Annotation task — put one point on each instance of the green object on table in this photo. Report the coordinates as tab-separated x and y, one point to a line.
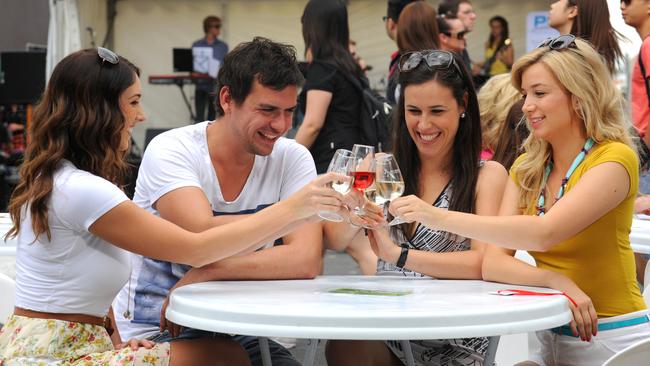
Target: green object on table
360	291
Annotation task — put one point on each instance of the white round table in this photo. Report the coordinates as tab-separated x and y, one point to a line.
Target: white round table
388	307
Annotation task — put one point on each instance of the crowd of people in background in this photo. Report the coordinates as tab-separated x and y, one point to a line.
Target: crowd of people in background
534	153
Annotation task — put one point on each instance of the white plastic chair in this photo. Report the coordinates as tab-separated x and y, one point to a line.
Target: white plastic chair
7	286
634	355
513	348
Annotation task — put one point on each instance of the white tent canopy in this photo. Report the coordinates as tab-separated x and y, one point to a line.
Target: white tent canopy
63	35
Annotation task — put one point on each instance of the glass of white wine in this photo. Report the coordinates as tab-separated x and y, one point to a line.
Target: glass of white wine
343	163
389	183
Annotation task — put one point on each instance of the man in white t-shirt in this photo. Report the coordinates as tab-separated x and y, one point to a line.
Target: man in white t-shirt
211	173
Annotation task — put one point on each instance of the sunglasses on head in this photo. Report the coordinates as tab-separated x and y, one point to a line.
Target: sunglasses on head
107	55
559	43
435	59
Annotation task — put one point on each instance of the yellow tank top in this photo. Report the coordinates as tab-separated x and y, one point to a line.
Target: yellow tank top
497	67
599	259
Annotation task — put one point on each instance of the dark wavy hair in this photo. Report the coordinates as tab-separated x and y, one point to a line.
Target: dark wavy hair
77	119
272	64
467	142
326	32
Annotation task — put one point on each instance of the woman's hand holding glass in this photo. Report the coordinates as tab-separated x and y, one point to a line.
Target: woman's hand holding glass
383	246
373	215
389	183
413	209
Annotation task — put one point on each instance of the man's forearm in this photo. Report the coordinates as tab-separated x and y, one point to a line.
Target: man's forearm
279	262
271	235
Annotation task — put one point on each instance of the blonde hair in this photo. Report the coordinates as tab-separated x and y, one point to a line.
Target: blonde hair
596	100
495	99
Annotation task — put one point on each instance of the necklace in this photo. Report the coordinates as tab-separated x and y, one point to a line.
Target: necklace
541	201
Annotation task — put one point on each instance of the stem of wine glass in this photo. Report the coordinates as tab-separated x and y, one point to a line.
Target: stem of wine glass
396	221
359	209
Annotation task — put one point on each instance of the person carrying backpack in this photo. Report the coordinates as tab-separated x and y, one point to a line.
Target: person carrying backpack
330	102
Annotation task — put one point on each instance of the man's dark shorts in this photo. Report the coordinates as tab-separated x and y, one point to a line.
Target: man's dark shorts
280	356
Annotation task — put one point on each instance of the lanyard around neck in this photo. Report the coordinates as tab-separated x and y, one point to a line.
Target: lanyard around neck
541	201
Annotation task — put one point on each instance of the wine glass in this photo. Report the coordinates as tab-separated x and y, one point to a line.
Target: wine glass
389	182
342	163
385	172
363	170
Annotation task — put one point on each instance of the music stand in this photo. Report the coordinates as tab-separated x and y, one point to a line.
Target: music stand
182	59
183	62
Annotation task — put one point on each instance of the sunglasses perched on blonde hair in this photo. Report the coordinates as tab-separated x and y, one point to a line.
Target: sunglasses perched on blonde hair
560	43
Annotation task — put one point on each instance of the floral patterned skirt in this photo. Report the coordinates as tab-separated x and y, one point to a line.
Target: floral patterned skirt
40	342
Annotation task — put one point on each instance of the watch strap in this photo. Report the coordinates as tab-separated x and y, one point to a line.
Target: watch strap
401	261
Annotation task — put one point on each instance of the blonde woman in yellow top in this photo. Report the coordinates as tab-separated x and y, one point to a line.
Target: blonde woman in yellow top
569	203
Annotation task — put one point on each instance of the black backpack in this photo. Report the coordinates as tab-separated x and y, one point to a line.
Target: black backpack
375	116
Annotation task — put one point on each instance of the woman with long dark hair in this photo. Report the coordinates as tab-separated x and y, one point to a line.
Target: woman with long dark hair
589	20
330	102
74	226
437	144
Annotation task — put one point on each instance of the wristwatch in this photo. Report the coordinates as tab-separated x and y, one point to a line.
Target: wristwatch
401	261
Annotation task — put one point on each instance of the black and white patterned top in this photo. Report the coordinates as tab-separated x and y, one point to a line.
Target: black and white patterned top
435	352
426	239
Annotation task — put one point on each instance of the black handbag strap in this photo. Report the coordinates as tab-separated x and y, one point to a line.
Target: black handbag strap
356	82
488	63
